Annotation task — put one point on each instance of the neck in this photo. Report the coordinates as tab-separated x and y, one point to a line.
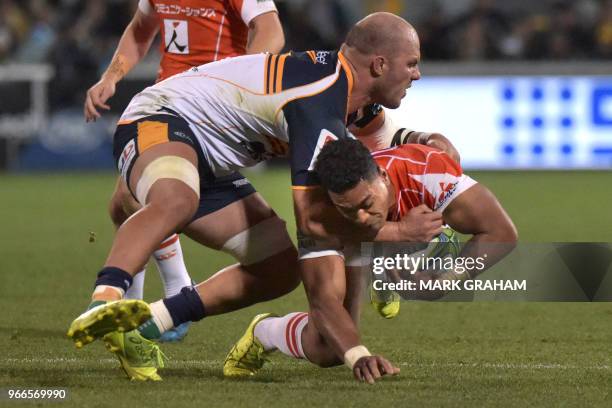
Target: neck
359	96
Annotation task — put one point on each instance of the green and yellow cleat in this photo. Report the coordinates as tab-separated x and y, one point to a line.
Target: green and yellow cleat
140	358
386	303
120	315
247	356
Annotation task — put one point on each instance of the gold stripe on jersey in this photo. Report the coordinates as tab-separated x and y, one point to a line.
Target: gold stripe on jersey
312	56
151	133
349	77
308	90
303	188
279	73
271	74
266	73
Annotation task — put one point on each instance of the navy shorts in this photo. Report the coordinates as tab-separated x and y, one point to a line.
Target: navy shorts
215	192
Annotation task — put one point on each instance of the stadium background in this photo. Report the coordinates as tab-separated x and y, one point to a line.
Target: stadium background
525	90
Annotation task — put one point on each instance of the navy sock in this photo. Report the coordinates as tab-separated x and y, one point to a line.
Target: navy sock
116	277
185	306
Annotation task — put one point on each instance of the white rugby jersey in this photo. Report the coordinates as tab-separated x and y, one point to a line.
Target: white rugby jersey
247	109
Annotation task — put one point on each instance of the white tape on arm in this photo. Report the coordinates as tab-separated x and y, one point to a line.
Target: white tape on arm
352	355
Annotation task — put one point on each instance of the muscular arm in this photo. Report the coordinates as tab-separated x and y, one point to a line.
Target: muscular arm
265	34
435	140
324	280
317	218
478	212
133	46
475	212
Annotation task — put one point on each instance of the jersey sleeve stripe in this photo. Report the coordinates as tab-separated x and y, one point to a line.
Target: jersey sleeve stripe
275	73
303	188
266	73
271	74
349	77
312	56
280	108
279	73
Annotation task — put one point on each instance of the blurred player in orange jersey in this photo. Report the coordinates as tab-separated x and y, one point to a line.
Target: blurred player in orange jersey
193	32
370	190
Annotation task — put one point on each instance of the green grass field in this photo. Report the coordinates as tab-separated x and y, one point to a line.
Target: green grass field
451	354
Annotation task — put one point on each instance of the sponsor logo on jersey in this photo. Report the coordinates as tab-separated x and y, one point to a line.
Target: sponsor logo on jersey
127	156
176	36
175	9
446	193
321	57
240	182
324	137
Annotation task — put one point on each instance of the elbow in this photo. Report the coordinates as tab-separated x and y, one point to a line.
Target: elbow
507	234
280	40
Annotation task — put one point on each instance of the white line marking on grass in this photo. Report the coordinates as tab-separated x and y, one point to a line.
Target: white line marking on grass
510	366
211	363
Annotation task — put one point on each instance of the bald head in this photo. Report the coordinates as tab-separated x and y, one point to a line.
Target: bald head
381	33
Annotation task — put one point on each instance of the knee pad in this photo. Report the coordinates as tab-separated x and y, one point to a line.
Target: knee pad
167	167
259	242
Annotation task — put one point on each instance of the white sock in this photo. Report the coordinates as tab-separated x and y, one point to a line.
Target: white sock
171	266
136	291
161	316
283	333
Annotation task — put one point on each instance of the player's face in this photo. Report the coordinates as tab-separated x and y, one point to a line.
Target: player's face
366	204
402	69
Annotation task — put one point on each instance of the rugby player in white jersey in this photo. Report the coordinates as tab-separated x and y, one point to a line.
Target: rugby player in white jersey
194	127
195	32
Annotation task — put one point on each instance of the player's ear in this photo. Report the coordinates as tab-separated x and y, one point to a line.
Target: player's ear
383	173
377	66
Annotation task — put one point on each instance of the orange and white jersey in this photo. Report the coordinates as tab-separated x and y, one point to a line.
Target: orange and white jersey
422	175
248	109
194	32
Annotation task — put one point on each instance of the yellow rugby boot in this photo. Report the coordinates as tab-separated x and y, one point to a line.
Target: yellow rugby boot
119	315
386	303
247	355
140	358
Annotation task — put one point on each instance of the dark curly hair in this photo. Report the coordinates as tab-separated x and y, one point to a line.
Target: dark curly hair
343	163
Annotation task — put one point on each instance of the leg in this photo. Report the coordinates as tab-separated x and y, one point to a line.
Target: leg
121	206
166	180
268	266
295	334
169	206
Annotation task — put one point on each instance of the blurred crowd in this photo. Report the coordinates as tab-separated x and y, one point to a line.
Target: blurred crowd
80	35
86	31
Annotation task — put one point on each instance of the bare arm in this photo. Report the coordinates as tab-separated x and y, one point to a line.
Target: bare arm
133	46
478	212
435	140
317	218
265	34
325	284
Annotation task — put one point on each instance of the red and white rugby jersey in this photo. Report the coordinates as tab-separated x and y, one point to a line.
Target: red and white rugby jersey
195	32
422	175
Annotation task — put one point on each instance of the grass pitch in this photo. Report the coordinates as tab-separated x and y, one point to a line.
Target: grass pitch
451	354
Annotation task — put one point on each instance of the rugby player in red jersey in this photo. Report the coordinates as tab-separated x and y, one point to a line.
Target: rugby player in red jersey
370	190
